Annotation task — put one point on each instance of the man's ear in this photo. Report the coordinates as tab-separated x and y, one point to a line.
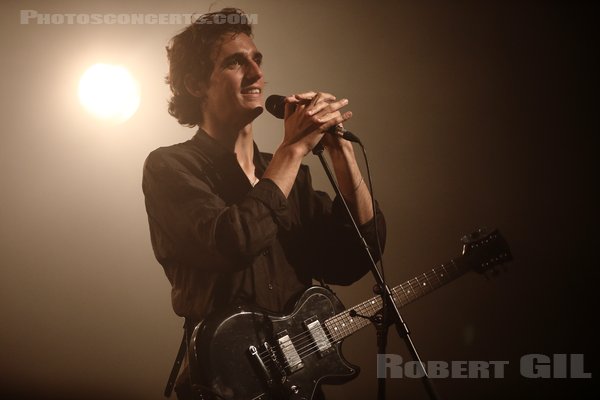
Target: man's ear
194	86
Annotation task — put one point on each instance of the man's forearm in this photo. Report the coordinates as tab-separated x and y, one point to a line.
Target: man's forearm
284	167
352	185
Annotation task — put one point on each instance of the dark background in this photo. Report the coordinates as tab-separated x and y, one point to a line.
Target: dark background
473	114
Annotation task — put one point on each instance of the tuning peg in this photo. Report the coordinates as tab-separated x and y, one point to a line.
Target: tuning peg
478	233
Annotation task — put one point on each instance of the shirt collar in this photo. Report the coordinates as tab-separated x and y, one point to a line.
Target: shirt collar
231	181
219	154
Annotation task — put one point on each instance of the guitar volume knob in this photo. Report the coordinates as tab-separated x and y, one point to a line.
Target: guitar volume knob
295	393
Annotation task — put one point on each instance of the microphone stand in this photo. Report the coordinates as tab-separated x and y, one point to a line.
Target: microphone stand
390	312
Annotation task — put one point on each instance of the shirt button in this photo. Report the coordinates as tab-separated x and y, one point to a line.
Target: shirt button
270	286
266	252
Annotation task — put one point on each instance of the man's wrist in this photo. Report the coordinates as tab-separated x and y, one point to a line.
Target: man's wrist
343	149
291	152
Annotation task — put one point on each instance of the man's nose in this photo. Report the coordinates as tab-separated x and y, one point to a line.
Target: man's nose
253	71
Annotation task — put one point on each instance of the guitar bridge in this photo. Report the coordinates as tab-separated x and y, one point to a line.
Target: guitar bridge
260	365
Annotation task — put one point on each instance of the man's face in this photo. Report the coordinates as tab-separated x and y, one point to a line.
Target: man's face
236	84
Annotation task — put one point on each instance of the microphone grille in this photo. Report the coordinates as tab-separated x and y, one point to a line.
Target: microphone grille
275	104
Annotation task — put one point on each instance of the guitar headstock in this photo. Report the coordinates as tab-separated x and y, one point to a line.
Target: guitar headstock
485	249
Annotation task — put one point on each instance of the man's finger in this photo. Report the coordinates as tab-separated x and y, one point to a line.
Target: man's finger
305	96
309	96
321	110
288	110
336	120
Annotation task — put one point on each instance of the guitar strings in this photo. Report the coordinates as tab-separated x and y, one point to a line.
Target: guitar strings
410	284
302	341
305	345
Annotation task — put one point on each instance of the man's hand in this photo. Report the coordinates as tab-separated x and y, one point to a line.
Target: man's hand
314	113
308	116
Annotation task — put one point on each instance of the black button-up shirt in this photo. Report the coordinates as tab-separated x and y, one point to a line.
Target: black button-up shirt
221	241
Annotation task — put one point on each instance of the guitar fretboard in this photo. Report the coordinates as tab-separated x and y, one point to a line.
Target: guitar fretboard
343	324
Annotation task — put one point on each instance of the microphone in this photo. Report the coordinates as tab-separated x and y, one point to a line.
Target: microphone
275	104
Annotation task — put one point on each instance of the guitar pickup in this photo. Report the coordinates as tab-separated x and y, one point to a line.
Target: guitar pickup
318	335
292	359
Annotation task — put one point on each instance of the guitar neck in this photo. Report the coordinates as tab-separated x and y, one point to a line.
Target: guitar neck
343	325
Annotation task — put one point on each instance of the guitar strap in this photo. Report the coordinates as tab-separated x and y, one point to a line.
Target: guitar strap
323	283
178	360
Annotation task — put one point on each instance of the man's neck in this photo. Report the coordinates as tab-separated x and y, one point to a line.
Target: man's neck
238	141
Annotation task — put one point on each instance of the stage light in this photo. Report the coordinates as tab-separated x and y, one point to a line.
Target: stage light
109	92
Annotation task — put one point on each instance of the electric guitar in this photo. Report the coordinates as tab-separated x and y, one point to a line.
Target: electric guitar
248	353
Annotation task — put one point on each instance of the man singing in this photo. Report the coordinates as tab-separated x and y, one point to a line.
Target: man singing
228	223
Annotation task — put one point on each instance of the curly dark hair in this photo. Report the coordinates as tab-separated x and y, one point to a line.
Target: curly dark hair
189	52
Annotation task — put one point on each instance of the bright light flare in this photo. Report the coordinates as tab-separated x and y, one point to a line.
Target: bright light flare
109	92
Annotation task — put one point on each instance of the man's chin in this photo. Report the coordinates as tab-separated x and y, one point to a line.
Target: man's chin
248	115
256	111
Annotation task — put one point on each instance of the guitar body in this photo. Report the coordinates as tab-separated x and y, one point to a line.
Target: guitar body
253	354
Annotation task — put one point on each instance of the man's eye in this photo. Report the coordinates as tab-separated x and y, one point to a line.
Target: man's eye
234	63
